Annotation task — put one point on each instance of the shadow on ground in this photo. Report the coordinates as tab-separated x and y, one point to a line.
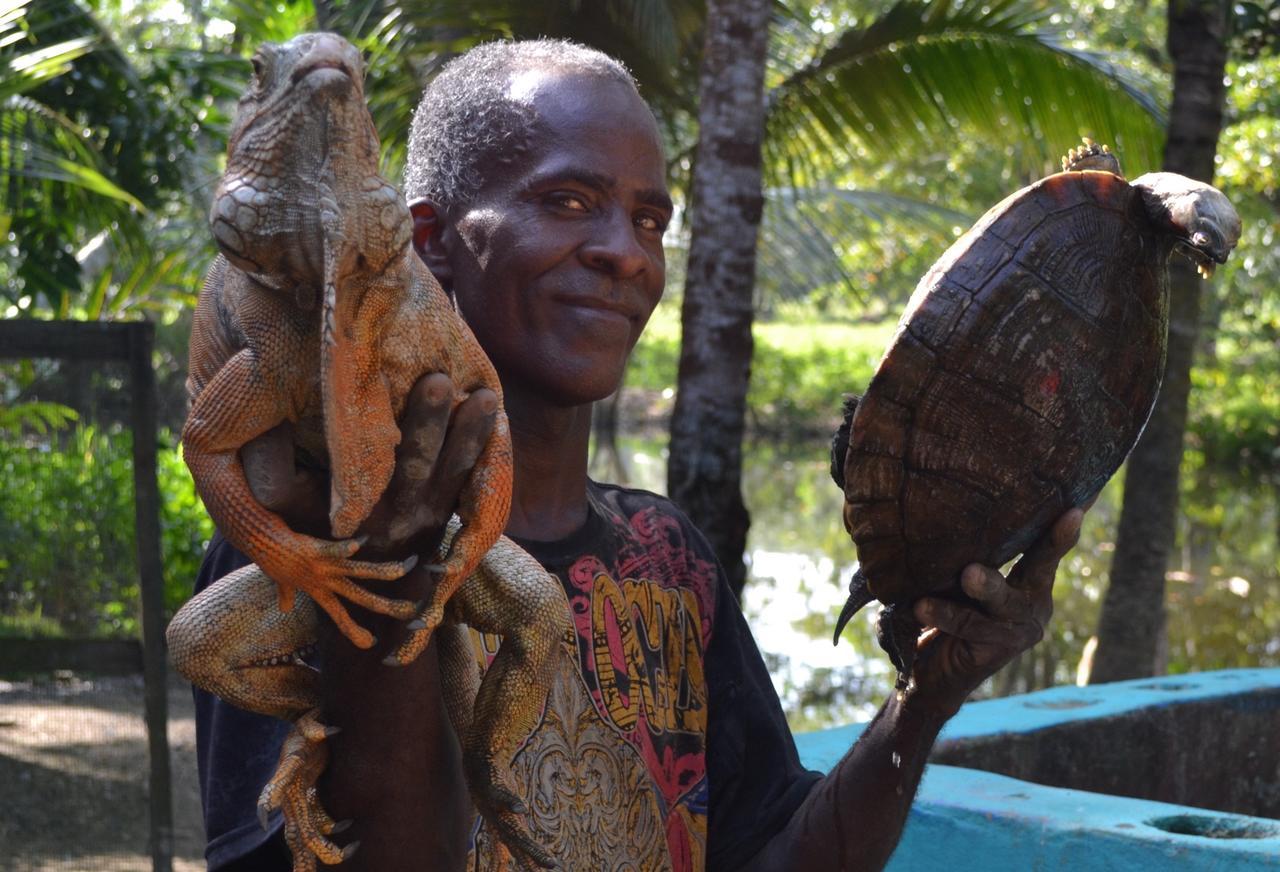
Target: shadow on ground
74	777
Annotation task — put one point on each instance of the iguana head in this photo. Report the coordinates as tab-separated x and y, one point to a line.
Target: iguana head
302	133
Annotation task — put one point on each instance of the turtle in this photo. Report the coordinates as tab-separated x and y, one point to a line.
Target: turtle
1020	376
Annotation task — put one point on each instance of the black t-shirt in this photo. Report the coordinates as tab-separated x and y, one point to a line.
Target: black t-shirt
693	765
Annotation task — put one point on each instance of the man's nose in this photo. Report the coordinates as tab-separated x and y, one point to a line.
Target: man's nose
613	247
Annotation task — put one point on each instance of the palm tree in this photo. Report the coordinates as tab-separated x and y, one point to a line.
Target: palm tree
97	163
916	74
1131	626
705	463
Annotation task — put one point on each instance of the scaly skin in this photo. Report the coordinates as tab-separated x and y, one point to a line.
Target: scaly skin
232	640
319	312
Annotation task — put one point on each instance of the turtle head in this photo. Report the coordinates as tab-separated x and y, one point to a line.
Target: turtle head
1202	220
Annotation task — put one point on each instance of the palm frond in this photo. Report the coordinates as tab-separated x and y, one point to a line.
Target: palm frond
807	235
926	71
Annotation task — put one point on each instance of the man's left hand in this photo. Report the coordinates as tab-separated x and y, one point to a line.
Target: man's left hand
962	645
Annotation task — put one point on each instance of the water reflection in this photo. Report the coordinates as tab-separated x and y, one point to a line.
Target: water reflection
1223	590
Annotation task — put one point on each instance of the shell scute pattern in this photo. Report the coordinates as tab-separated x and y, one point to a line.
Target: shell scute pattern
1014	337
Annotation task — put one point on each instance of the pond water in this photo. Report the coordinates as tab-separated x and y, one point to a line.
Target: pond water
1223	587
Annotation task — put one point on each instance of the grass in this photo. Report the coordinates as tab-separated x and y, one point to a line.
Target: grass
801	368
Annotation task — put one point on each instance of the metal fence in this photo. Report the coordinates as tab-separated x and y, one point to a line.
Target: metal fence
85	780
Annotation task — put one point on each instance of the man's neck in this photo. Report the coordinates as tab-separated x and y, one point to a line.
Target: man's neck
549	496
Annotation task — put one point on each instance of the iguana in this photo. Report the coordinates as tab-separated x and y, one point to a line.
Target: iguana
319	312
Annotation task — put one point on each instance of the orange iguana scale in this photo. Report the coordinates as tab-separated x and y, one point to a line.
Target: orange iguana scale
319	312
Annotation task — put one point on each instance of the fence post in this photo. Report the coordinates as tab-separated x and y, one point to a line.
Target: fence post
150	570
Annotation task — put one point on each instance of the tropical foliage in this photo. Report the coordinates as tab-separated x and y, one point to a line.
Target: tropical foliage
891	126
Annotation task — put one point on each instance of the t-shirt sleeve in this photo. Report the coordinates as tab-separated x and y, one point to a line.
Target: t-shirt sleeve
754	775
236	752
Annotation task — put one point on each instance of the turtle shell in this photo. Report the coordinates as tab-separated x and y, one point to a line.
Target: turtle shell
1020	376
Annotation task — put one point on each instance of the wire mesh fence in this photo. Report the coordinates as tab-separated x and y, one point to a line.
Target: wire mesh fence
89	721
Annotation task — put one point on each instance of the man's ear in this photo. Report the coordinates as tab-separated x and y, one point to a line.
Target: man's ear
428	239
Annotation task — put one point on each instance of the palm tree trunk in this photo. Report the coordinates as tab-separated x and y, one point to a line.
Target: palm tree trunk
1131	626
704	470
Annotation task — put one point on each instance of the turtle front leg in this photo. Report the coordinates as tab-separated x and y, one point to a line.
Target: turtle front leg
897	630
292	790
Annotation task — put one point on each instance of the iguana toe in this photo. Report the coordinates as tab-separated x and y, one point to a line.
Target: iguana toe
303	756
420	630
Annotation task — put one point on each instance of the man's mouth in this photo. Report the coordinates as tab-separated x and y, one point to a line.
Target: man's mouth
598	303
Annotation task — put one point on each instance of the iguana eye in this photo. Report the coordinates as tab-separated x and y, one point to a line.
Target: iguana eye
263	60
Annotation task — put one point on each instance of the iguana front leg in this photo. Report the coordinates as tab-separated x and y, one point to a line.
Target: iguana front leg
238	405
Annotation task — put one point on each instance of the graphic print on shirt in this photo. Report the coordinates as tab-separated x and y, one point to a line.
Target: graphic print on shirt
615	772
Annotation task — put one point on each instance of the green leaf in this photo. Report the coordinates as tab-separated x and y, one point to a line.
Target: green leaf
923	73
92	180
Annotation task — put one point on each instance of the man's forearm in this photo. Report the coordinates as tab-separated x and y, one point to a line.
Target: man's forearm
395	768
855	815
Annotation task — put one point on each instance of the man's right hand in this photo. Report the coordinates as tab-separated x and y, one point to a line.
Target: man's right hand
436	453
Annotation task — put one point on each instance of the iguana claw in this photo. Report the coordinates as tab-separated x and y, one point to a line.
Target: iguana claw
292	790
505	813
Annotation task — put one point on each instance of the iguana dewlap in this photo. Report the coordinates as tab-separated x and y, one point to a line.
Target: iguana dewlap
319	312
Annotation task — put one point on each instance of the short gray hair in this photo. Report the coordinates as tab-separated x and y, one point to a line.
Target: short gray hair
467	121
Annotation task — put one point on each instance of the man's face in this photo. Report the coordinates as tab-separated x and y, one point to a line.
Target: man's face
557	262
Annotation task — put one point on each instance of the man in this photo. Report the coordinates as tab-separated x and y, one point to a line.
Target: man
536	181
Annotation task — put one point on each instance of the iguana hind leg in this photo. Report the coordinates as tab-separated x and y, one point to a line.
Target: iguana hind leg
512	595
232	640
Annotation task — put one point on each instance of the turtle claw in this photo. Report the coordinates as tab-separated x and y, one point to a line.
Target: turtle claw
859	595
897	630
292	791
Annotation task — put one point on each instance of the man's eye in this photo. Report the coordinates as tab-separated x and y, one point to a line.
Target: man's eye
651	223
569	201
